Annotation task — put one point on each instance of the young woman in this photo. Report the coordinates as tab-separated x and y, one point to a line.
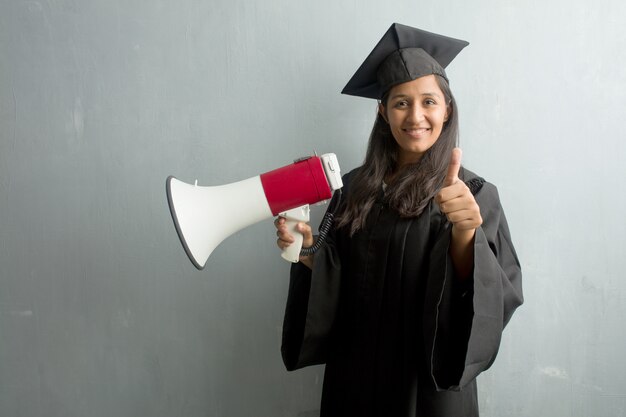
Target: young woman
406	300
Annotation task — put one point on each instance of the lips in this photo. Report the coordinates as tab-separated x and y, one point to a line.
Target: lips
416	132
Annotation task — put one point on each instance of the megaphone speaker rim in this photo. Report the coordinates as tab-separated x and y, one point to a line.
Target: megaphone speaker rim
179	231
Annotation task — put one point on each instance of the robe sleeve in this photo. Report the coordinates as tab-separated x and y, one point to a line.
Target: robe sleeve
311	309
463	321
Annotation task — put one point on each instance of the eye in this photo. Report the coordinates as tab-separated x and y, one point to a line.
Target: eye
430	102
400	104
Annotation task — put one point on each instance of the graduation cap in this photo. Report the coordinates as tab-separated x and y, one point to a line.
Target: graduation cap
403	54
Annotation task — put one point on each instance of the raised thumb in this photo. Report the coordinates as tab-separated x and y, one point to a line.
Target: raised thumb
452	175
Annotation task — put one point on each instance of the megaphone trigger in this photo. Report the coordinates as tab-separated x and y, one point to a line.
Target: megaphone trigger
292	217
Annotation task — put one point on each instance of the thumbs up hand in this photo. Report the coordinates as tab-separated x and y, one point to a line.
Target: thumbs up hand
455	199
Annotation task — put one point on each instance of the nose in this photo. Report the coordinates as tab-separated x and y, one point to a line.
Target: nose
416	114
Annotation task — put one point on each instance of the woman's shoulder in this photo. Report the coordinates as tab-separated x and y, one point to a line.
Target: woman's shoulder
486	196
347	178
350	174
478	184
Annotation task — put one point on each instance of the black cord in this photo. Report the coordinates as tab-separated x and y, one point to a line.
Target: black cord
325	226
327	223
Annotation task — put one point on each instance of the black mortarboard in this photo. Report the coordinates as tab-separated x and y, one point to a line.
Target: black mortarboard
403	54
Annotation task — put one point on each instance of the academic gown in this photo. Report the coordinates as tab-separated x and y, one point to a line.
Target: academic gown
400	334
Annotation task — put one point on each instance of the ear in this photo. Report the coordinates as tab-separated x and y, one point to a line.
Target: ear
447	115
382	112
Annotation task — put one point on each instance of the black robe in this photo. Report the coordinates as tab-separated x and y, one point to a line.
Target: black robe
400	334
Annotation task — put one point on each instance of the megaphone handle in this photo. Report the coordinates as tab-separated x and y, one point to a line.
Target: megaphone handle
292	252
294	216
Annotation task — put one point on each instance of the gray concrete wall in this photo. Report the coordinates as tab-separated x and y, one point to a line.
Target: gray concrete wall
101	313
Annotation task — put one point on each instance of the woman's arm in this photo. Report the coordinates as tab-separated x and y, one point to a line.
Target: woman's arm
462	251
457	202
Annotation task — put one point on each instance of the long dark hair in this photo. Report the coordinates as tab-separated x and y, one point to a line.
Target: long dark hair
414	185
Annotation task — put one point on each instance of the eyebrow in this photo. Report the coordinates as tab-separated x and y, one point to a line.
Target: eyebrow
423	95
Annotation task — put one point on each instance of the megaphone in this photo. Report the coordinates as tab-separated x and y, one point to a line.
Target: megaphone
205	216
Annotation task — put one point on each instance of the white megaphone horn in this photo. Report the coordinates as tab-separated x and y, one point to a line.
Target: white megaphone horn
205	216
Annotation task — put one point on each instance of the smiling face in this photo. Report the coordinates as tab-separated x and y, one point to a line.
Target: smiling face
416	112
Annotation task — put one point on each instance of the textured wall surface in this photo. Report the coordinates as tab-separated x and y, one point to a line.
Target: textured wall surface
101	313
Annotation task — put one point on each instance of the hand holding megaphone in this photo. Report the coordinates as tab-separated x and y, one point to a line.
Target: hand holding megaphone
292	236
205	216
292	218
